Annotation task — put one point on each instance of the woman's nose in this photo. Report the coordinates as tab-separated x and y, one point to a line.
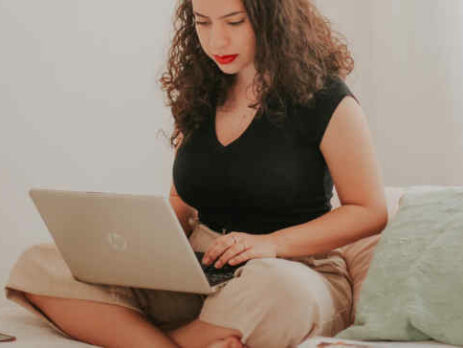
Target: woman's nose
218	39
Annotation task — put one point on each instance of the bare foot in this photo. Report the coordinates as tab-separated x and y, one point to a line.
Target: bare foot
229	342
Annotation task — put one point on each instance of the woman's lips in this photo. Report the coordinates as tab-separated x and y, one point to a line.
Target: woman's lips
225	59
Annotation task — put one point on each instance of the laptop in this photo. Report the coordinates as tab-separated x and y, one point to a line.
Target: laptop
127	240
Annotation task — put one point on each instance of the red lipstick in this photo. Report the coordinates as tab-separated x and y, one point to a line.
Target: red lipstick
225	59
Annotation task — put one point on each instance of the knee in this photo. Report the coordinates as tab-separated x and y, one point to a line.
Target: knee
291	283
37	251
293	302
37	261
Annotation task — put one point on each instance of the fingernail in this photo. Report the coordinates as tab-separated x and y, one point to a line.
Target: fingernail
217	265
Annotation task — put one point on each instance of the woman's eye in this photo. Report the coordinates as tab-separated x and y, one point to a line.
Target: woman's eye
231	23
236	23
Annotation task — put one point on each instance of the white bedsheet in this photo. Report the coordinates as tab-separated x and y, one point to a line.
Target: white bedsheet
31	331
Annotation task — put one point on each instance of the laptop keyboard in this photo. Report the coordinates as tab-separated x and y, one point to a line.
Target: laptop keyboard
217	275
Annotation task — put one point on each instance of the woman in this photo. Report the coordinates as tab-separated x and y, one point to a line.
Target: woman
264	125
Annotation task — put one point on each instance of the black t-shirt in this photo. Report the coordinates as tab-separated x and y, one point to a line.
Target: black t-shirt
264	180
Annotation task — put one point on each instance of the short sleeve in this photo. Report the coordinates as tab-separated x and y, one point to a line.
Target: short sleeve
311	121
327	100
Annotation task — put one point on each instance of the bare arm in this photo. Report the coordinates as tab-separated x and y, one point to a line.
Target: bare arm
183	211
348	150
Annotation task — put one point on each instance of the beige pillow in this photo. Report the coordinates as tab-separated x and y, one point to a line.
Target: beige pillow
358	254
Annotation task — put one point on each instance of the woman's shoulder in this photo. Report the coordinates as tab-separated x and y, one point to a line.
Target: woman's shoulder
331	93
334	88
311	119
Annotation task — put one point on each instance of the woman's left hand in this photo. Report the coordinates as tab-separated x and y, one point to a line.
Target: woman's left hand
238	247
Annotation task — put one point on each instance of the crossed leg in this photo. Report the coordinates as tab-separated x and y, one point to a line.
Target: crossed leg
109	325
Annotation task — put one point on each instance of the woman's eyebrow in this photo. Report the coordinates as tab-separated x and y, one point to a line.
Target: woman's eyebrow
225	16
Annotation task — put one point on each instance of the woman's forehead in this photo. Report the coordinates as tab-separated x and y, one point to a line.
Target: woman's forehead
218	9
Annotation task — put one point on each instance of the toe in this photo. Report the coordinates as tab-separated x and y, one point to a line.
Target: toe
229	342
218	344
234	342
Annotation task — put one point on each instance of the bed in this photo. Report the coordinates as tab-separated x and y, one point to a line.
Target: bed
31	331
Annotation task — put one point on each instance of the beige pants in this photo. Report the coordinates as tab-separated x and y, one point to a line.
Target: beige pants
274	302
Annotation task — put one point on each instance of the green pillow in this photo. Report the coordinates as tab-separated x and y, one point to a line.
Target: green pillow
413	290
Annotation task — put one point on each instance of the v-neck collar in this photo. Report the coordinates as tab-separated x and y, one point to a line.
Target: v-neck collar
236	140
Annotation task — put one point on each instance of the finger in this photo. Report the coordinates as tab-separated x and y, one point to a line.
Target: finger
242	257
208	254
217	249
234	248
229	254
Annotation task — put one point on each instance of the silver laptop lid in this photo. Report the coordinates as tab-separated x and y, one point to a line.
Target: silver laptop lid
121	239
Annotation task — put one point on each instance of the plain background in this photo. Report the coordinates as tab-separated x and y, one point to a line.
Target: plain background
81	108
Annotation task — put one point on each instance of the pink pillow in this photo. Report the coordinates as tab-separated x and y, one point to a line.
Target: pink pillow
358	254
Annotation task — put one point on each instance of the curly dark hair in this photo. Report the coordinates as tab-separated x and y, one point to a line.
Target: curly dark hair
296	48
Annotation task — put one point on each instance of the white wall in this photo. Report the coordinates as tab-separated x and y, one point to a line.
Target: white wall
409	79
80	106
